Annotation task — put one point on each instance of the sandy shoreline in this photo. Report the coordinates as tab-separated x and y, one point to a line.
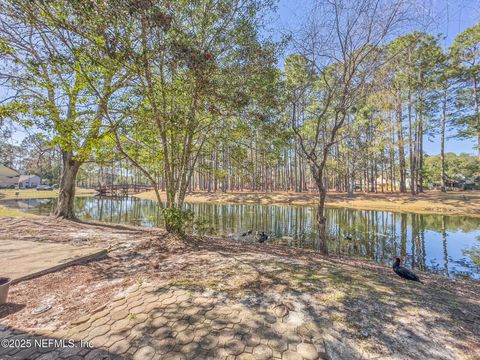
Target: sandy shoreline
433	202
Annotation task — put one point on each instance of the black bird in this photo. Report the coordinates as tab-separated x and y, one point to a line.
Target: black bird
348	237
262	237
249	232
403	272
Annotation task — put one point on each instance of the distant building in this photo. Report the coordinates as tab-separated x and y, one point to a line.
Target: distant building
8	177
29	181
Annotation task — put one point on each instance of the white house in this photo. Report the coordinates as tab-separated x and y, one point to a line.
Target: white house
8	177
29	181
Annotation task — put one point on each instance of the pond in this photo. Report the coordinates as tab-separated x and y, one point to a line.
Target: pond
448	245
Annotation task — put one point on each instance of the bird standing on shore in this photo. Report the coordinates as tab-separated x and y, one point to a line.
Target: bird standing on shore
403	272
262	237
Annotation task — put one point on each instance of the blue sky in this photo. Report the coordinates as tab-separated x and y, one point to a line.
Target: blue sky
447	17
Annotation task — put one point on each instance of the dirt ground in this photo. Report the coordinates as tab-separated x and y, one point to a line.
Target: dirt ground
366	303
430	202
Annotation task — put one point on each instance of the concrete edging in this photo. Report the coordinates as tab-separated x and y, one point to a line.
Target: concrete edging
95	256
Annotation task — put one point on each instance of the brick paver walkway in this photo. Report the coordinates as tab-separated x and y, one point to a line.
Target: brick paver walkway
174	323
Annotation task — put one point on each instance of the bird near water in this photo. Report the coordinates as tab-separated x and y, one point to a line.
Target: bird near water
262	237
403	272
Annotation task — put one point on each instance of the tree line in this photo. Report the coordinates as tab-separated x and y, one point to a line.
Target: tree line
189	96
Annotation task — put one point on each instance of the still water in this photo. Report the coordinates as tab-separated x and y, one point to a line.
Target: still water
448	245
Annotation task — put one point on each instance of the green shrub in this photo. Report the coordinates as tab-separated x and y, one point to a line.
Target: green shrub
176	220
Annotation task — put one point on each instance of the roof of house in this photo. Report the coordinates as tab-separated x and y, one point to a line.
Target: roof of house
27	177
6	171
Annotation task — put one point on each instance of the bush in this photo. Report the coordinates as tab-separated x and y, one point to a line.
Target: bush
176	220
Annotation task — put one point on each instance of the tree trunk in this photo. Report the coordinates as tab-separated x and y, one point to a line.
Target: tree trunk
401	151
442	144
477	113
322	230
321	219
66	194
420	160
411	145
351	178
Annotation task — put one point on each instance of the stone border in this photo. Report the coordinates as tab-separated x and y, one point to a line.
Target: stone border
80	260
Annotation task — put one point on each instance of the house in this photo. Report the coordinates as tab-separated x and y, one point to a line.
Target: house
461	182
8	177
472	183
29	181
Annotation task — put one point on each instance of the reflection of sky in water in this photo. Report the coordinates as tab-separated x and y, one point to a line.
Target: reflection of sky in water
457	243
375	234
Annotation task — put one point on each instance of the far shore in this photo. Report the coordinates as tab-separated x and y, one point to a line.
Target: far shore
466	203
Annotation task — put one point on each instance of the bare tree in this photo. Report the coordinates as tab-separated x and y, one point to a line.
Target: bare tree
343	41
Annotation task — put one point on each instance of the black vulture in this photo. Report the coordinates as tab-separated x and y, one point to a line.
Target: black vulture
403	272
262	237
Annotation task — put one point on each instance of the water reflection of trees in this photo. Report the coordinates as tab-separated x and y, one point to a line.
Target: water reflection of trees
372	234
375	235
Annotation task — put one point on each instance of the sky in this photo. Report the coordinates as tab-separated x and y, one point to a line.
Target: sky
447	17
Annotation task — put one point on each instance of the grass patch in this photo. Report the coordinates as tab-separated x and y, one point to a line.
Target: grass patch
336	318
11	194
297	277
6	212
333	296
209	282
336	279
